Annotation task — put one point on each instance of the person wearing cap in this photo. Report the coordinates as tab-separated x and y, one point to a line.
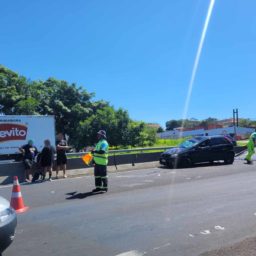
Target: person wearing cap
29	152
250	148
100	157
61	148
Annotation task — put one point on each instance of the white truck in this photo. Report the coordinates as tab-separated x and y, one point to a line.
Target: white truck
16	130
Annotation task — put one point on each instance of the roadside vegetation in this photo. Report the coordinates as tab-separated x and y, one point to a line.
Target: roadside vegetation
77	115
242	142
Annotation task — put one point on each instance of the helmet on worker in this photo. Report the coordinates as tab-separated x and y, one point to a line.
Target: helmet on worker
102	134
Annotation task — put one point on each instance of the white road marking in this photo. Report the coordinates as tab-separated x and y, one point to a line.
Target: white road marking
205	232
219	228
131	176
162	246
78	177
131	253
7	186
191	235
133	185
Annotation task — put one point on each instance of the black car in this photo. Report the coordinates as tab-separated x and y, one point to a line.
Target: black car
199	150
231	138
8	222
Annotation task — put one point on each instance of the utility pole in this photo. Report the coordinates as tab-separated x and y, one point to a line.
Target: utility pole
235	119
237	123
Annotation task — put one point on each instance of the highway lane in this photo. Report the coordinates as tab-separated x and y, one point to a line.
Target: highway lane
146	212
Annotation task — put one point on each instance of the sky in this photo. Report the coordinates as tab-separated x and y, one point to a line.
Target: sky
138	54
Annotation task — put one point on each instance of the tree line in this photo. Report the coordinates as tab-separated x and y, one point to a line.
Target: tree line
76	113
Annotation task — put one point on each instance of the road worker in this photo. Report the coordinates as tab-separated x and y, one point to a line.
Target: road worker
250	148
100	157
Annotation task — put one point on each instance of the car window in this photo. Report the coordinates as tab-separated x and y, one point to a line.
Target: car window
189	143
219	141
205	143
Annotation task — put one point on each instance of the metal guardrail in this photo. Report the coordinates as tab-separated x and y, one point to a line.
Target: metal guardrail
135	150
113	152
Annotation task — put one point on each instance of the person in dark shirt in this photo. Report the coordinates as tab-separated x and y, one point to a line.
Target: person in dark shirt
29	152
61	148
47	159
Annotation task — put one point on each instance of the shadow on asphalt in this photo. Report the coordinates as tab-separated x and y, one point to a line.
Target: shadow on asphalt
75	195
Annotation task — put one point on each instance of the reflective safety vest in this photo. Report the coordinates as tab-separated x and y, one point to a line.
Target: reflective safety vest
101	159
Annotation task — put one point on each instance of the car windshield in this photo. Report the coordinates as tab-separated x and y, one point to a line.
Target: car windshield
189	143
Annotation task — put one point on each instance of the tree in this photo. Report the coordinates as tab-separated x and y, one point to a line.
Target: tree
160	129
13	90
75	113
170	125
103	119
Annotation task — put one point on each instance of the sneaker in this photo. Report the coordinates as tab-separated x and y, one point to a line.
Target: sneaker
65	176
104	190
96	190
50	179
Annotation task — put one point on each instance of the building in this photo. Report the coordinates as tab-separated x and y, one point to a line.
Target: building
241	132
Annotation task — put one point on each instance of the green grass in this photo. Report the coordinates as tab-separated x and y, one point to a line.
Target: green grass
159	143
242	142
169	142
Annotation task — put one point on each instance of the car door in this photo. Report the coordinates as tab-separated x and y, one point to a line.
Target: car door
219	147
201	152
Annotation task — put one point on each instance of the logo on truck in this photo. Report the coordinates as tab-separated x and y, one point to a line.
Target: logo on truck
13	132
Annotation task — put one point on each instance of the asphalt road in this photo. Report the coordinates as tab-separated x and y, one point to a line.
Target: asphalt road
158	211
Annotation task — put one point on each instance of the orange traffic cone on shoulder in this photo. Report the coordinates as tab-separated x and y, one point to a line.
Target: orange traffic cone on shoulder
17	201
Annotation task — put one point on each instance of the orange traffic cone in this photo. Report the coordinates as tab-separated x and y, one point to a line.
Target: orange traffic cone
17	201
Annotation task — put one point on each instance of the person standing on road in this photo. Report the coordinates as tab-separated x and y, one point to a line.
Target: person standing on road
100	157
61	147
250	148
47	159
29	152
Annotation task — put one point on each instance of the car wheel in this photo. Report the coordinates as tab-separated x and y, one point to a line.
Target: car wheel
229	158
173	163
169	164
186	162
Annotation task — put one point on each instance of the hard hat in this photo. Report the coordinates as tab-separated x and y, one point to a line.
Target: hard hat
102	133
253	135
